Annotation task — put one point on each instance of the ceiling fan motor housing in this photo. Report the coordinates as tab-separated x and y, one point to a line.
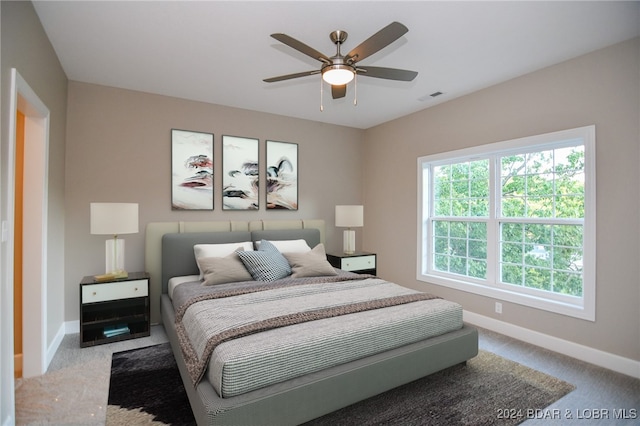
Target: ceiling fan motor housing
338	36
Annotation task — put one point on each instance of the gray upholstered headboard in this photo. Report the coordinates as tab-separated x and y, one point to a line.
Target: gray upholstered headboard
177	249
178	258
261	229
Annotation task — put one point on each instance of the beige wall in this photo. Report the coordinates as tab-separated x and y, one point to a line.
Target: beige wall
26	48
601	88
119	150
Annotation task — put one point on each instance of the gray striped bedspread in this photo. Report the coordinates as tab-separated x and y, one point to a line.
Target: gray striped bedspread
250	335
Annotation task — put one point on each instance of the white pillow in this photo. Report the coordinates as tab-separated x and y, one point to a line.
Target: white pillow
218	250
289	246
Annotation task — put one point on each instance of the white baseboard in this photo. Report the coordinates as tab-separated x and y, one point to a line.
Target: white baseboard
600	358
71	327
55	344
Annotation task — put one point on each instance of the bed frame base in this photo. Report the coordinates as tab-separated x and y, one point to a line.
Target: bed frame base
299	400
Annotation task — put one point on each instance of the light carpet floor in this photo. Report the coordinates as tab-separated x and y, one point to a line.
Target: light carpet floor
75	389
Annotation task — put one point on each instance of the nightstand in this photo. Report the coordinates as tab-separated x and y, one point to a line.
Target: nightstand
115	310
360	262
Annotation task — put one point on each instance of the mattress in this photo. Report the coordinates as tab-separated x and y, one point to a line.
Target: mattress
176	281
258	360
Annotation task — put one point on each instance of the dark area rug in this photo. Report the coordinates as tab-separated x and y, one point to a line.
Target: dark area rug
145	388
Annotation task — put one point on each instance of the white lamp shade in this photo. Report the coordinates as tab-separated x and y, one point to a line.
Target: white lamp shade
114	218
349	216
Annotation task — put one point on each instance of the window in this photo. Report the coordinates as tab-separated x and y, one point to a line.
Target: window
513	220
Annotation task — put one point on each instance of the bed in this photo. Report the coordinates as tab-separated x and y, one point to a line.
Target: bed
254	391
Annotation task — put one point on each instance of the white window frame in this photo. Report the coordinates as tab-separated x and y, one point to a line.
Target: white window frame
578	307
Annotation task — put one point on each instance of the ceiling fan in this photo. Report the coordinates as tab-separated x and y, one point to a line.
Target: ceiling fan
339	70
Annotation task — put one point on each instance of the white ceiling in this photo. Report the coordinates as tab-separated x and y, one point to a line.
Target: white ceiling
220	51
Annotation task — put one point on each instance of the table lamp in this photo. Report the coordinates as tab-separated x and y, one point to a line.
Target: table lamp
349	217
114	219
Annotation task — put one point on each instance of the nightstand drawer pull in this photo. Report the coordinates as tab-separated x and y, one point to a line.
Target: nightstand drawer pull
359	263
114	291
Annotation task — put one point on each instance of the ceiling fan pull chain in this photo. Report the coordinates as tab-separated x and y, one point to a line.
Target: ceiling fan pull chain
321	91
355	89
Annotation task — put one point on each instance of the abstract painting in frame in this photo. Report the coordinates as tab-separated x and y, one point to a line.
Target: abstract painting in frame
191	170
282	175
240	173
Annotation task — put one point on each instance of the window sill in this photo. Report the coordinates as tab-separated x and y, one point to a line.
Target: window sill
586	312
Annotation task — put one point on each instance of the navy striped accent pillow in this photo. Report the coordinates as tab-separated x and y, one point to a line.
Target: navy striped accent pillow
266	263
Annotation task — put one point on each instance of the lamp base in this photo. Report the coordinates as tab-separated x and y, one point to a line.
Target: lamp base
349	241
112	276
114	259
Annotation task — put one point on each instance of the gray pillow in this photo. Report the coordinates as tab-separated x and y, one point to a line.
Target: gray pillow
310	264
220	270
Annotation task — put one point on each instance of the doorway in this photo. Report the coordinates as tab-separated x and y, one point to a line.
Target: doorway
32	243
17	246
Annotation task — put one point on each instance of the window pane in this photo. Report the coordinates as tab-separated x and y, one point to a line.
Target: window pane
537	233
512	274
479	207
540	185
539	207
460	247
441	263
545	184
539	162
440	228
544	257
512	253
441	245
567	235
460	208
537	278
513	186
443	189
478	230
458	229
570	206
478	249
460	171
462	189
477	268
443	208
537	255
567	283
512	165
512	231
458	265
567	259
513	207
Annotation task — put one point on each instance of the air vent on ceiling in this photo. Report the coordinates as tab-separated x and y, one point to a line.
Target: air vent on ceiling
430	96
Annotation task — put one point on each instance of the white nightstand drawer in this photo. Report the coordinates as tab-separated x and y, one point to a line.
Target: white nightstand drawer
359	263
113	291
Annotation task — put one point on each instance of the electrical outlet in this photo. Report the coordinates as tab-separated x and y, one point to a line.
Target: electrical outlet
498	308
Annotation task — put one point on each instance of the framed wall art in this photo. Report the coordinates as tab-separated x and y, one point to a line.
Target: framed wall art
282	175
191	170
240	173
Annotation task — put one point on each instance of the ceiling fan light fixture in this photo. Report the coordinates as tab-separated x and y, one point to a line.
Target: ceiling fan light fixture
338	74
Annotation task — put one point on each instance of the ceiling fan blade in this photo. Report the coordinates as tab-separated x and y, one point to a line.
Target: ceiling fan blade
387	73
378	41
338	91
301	47
290	76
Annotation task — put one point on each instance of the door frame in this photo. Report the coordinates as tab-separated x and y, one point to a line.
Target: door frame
37	119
